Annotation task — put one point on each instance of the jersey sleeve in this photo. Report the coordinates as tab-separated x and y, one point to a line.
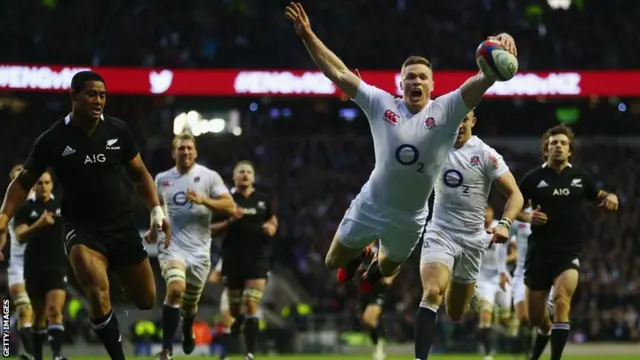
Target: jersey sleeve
158	182
216	185
454	109
39	157
494	165
129	147
22	215
369	99
590	189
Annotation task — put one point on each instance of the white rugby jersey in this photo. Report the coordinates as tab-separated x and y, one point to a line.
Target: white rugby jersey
17	250
189	222
494	261
520	232
409	148
464	184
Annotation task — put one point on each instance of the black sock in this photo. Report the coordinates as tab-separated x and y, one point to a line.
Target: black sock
170	320
225	344
26	338
187	325
237	325
525	339
56	334
251	330
107	330
374	334
484	336
539	344
39	337
559	336
425	329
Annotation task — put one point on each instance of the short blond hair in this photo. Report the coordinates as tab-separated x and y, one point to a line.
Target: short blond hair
414	59
182	137
243	162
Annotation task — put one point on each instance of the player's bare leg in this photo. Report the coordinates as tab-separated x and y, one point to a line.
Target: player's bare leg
90	268
188	311
381	267
485	322
344	259
458	298
40	327
371	319
564	287
252	295
538	312
25	317
227	322
138	283
435	281
174	272
54	303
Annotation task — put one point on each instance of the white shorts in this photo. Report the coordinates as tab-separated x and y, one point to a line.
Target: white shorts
16	271
490	291
224	301
443	246
198	264
519	288
364	222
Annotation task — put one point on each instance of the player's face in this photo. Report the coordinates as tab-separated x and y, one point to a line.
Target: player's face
559	148
44	186
243	175
92	99
185	153
417	83
464	131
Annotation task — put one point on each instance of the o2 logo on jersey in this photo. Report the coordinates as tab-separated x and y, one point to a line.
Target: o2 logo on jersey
453	178
180	199
408	155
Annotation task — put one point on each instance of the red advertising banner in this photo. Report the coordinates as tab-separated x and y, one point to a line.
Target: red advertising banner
238	82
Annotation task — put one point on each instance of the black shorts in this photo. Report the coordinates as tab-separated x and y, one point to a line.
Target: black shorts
40	281
121	248
372	299
238	269
541	272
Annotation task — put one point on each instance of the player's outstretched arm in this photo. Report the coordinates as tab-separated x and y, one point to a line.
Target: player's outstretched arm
476	86
16	194
515	201
330	65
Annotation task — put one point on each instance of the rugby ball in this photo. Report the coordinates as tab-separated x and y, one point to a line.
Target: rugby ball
496	62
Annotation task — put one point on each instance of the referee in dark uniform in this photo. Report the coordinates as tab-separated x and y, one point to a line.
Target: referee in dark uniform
245	252
38	224
557	191
88	152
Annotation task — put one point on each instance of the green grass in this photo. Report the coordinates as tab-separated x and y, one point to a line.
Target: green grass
406	357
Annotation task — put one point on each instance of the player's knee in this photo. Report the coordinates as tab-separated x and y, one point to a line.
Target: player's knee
561	304
53	314
190	301
227	319
145	301
252	297
432	294
24	309
369	319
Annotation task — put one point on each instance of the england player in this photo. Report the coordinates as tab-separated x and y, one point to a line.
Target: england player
411	139
38	224
17	287
191	193
493	289
88	152
557	191
455	240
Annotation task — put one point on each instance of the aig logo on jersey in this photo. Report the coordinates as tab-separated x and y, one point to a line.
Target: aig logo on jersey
561	192
95	158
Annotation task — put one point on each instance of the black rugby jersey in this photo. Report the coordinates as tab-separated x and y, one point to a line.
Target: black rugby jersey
90	171
45	250
560	196
245	235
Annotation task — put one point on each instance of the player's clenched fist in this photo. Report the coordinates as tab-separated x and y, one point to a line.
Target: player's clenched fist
295	12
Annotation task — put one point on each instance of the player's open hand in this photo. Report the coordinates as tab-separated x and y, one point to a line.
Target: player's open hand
295	12
269	228
538	217
610	202
194	197
507	42
166	230
504	281
500	234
